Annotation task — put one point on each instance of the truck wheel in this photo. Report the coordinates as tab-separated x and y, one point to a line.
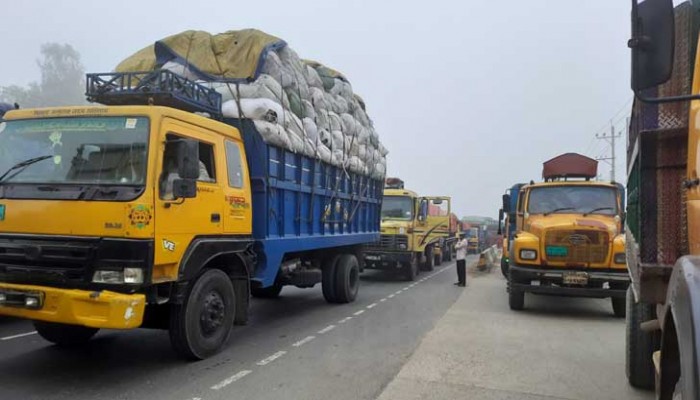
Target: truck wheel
328	278
270	292
516	297
640	345
202	324
410	270
64	335
619	307
428	265
504	267
347	279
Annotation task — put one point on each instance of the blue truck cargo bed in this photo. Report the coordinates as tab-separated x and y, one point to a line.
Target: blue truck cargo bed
302	204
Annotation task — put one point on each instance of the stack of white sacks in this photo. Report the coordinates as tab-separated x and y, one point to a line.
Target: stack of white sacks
306	108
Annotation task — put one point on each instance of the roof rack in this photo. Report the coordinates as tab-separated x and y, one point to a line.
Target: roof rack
160	87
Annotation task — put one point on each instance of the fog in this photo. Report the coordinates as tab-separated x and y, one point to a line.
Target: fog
469	97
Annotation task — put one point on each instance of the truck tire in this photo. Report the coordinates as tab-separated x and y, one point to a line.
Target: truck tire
410	270
270	292
640	345
347	279
504	267
619	306
516	298
201	325
64	335
328	273
428	265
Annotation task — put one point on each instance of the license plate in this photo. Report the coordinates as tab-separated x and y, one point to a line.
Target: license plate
575	278
557	251
373	258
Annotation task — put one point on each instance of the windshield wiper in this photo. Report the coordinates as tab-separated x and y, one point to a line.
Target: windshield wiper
597	209
558	209
23	164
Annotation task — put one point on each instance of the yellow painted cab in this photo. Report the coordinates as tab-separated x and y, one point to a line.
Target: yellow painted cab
569	236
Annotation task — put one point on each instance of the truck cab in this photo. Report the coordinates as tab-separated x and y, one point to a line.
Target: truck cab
569	236
413	231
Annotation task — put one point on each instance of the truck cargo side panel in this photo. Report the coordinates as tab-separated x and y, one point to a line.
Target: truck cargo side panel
301	204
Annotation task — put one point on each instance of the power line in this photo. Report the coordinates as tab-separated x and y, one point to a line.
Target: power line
611	139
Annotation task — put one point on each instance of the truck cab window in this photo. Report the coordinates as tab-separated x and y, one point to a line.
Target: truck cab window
207	170
234	165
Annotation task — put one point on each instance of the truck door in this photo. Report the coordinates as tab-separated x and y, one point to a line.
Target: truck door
179	221
437	222
237	192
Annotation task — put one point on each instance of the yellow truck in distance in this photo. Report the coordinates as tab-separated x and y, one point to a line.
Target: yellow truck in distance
414	231
569	236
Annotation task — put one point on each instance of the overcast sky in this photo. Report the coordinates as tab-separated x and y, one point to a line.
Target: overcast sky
468	96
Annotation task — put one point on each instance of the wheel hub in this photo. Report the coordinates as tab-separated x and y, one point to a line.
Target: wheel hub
212	314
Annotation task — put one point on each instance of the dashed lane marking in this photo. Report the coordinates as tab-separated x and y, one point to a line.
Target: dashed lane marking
272	358
304	341
344	320
383	300
358	312
326	329
231	379
371	306
21	335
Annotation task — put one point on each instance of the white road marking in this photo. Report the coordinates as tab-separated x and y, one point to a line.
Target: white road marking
391	296
406	288
304	341
383	300
371	306
344	320
358	312
272	358
398	292
230	380
326	329
19	335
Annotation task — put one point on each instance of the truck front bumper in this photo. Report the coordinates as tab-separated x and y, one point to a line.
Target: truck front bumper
95	309
551	281
386	259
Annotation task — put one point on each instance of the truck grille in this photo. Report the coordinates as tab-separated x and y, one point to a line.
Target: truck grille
39	260
391	242
577	246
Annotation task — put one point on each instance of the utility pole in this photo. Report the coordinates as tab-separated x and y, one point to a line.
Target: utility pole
611	139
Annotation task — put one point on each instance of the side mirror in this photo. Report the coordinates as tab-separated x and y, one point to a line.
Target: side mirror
423	210
500	220
185	188
506	204
652	43
187	154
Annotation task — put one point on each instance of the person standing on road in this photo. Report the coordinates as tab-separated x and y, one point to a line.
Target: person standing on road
461	248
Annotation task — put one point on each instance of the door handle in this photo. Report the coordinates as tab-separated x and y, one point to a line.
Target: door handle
216	217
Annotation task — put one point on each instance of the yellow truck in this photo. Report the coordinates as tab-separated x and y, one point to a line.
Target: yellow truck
127	216
569	237
413	229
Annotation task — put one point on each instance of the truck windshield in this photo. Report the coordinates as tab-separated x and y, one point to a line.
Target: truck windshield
72	151
397	207
573	200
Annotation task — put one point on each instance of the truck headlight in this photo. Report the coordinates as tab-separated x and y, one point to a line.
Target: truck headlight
528	254
127	275
620	258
